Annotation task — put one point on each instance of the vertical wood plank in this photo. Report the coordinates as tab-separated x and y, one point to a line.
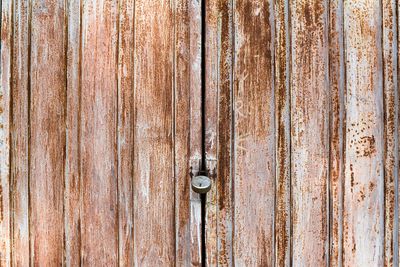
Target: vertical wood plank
187	97
47	131
336	124
397	182
20	133
72	172
364	173
125	133
254	129
213	35
5	94
99	133
391	101
282	129
309	132
154	183
218	101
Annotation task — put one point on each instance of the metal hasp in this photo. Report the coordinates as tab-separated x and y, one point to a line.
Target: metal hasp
201	184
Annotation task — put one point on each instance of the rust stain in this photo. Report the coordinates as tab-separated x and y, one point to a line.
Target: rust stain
367	143
1	204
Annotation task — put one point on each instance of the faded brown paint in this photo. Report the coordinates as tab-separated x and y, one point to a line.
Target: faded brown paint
72	198
5	94
47	132
154	136
98	134
118	88
125	133
20	134
309	132
187	123
219	224
254	130
212	49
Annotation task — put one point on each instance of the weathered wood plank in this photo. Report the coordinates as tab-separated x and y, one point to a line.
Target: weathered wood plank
391	102
99	241
336	124
218	127
187	97
254	129
282	129
72	198
5	94
397	186
125	133
309	132
20	133
47	131
363	224
212	49
154	183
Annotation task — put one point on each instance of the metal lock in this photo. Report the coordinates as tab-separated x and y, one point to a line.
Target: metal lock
201	184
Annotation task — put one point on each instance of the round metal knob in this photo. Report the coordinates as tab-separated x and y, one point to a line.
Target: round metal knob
201	184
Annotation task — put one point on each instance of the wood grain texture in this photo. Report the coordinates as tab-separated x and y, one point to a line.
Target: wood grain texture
187	124
254	129
98	134
195	222
364	173
391	104
309	132
336	136
5	94
125	132
154	194
219	134
20	133
72	198
282	132
47	132
213	36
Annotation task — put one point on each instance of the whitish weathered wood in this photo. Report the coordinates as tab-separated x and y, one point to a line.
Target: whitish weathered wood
20	134
309	131
47	132
282	130
336	124
154	193
72	198
125	133
391	102
187	95
98	133
363	224
254	129
218	101
5	93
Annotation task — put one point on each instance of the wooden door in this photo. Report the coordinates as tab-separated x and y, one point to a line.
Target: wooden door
302	133
99	133
109	108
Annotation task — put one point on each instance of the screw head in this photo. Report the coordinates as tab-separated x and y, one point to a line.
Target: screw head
201	184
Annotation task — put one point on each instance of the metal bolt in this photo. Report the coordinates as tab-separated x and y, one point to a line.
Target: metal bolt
201	184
